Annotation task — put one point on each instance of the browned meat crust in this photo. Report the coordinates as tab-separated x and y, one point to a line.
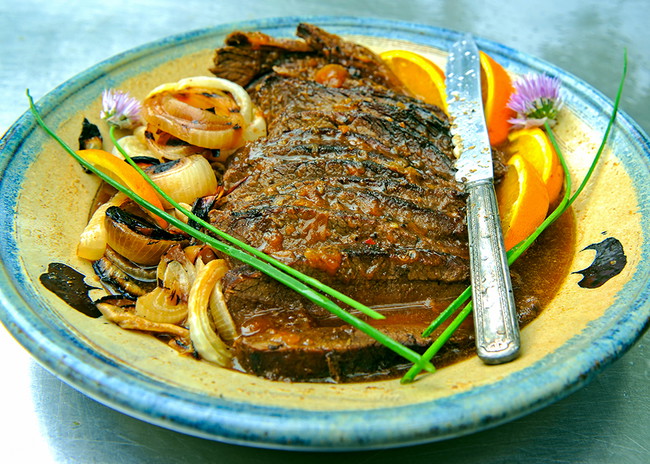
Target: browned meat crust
249	55
353	185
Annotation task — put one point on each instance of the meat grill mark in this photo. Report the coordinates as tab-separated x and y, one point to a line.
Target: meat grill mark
352	185
308	144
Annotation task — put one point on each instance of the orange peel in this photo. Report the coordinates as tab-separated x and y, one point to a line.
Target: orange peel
421	76
122	172
496	86
522	199
534	145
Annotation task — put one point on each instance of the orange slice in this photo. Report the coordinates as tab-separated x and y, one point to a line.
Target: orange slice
534	145
497	88
422	77
122	172
523	201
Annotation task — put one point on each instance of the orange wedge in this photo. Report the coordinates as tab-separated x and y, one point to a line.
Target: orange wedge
534	145
122	172
422	77
497	88
523	201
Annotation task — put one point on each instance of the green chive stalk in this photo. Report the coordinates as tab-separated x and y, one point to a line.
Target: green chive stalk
246	258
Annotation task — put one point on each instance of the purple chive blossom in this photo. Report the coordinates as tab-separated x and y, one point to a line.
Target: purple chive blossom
120	109
536	100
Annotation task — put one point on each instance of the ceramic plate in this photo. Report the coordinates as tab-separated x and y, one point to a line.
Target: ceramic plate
581	331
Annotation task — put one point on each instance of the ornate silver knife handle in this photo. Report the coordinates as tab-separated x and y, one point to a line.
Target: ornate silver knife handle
496	326
495	317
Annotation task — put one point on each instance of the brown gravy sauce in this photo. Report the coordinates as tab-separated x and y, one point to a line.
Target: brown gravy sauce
538	273
545	265
69	285
537	277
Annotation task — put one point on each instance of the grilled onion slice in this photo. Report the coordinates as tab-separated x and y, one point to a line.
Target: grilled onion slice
221	317
207	112
92	241
202	332
137	239
161	305
200	114
168	147
186	179
136	146
119	281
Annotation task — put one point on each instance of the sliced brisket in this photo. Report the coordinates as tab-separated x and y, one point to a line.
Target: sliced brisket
249	55
353	185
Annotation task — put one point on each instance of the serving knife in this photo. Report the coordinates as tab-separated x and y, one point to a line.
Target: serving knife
495	318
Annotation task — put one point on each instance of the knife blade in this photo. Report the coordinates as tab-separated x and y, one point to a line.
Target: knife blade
495	318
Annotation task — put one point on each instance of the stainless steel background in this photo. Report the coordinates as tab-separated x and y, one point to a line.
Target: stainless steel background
44	43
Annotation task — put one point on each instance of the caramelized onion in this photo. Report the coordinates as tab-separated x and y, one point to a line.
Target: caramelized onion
180	215
204	117
166	146
175	253
161	305
176	272
223	322
238	93
90	137
202	332
138	272
207	112
178	278
136	146
92	241
118	280
128	320
256	128
185	180
203	252
136	238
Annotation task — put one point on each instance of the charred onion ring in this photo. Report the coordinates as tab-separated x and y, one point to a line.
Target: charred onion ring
137	239
185	179
207	112
166	146
203	117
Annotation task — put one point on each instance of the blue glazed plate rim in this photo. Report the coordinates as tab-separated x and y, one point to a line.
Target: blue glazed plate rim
131	392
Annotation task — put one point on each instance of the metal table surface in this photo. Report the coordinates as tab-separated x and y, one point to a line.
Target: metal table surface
45	43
